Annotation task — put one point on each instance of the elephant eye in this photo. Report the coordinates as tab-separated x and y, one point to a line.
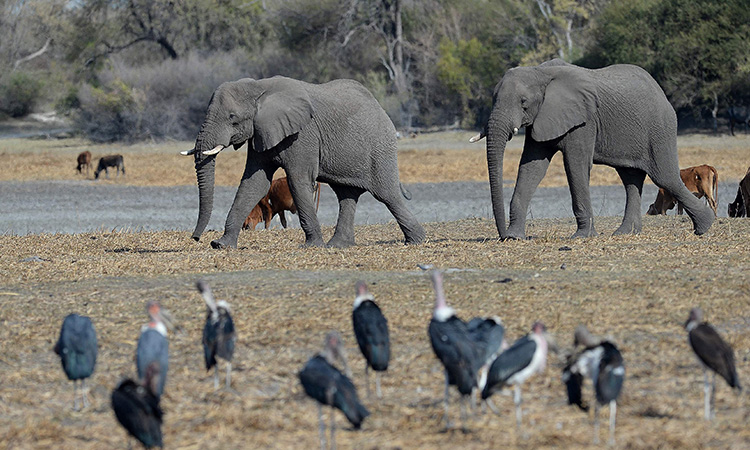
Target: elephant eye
233	118
524	102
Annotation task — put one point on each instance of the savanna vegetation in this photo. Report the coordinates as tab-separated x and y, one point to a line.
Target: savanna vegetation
137	69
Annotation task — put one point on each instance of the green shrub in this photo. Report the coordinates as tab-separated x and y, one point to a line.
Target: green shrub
19	93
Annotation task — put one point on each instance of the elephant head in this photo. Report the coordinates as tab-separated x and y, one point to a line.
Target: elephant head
549	100
261	112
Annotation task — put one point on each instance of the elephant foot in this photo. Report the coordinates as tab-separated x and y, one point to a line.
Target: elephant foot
627	229
317	242
337	242
513	235
414	240
584	233
224	242
415	236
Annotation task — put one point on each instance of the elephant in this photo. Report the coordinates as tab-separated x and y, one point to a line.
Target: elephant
335	133
617	115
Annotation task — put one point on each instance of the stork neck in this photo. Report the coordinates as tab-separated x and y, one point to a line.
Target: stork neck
443	313
361	298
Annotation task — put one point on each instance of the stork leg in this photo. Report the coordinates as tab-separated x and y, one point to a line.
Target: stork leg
445	402
517	402
612	421
333	429
367	379
75	396
216	377
84	394
377	385
706	396
229	375
464	400
492	406
321	428
713	395
596	423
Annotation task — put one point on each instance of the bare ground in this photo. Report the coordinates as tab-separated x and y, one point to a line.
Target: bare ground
635	289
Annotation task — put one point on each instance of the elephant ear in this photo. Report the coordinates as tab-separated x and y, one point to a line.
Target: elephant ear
283	110
570	100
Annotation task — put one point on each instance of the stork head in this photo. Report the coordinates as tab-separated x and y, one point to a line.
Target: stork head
583	337
361	294
333	349
695	317
161	318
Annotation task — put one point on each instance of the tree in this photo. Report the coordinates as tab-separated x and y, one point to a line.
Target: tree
698	50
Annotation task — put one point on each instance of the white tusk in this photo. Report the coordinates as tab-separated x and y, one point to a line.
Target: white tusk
188	152
476	138
515	131
214	150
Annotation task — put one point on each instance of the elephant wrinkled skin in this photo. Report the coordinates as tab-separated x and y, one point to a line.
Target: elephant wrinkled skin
335	133
617	115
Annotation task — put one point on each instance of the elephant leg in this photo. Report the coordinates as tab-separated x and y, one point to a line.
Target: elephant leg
577	159
348	197
701	215
254	185
302	193
394	201
533	166
632	179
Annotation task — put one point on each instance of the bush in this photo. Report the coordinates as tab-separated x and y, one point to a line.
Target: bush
19	93
162	101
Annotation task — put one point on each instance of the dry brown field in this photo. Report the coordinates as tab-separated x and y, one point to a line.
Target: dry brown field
428	158
637	290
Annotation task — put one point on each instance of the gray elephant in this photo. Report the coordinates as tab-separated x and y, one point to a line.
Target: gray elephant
335	133
617	115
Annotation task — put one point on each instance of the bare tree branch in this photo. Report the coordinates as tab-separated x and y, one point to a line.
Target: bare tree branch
36	54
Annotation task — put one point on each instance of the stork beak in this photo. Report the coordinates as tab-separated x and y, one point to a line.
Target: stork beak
214	150
169	320
188	152
551	342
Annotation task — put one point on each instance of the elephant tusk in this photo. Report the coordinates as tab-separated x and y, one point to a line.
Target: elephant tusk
214	150
515	131
478	137
188	152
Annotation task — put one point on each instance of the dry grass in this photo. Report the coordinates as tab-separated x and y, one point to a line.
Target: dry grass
428	158
636	289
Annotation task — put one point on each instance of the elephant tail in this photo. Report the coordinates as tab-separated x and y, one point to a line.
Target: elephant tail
405	192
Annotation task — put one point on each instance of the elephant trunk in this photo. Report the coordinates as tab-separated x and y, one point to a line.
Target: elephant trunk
205	167
496	142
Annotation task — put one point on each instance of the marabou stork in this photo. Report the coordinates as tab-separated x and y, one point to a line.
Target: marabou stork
77	350
329	386
218	334
153	345
371	330
715	354
602	362
488	333
137	407
453	345
527	356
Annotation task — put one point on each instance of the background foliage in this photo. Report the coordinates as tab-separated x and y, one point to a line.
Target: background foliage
145	69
